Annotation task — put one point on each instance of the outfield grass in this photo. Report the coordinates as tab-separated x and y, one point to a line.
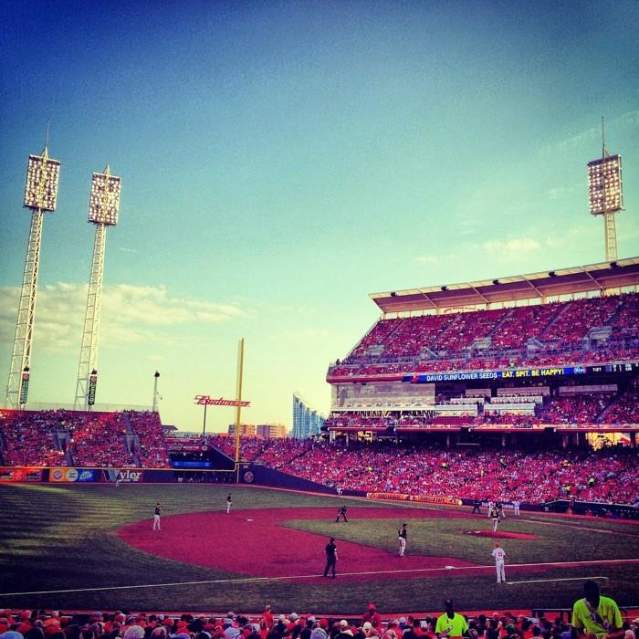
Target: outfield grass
62	537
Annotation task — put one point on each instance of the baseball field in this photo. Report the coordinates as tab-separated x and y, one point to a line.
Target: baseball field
93	547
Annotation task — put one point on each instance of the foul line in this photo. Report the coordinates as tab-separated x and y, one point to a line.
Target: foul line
543	581
239	580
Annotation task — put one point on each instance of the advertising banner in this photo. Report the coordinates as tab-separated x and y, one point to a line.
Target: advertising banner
20	473
63	475
123	475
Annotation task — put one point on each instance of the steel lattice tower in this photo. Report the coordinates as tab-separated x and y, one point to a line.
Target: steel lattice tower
40	196
605	193
104	205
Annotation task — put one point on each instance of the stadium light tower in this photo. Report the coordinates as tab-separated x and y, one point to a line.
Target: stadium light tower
605	193
40	196
104	205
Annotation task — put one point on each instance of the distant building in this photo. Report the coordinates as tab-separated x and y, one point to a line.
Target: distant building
246	430
306	421
271	431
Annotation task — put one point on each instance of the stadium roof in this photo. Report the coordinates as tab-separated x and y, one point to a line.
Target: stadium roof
535	286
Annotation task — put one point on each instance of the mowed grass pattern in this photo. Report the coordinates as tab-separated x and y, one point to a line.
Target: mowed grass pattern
62	537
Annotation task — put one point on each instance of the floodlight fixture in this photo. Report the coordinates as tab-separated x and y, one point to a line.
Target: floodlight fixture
104	202
40	196
41	189
605	192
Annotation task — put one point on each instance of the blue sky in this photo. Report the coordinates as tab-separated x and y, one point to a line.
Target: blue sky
281	160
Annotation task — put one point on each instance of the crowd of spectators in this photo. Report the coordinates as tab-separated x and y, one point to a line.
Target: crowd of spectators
610	475
79	438
556	334
276	452
269	625
98	439
625	409
30	438
150	443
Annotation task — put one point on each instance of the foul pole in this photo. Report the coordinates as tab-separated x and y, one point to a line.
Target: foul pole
40	196
238	408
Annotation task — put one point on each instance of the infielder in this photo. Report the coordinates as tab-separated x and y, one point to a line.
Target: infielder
156	517
494	515
402	537
341	513
500	555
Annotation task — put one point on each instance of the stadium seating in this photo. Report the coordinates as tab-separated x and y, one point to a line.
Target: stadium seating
585	331
77	438
504	474
609	475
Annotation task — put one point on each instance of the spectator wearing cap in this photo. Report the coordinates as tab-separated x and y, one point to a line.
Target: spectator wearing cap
392	631
450	624
345	631
372	615
230	630
318	632
369	630
134	632
309	624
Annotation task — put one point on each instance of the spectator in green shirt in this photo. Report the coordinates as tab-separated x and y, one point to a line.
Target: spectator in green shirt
450	624
596	616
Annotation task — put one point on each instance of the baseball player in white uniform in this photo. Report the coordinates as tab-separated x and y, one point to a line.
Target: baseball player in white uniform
500	556
229	503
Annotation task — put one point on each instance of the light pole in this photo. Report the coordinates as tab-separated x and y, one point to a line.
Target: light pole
104	204
40	196
156	376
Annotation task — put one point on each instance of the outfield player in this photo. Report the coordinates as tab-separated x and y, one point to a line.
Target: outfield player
516	505
402	537
229	503
156	517
499	555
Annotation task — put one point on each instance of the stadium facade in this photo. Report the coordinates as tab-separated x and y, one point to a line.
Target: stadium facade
546	359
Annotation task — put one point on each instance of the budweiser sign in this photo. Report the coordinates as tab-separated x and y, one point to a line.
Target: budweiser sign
206	400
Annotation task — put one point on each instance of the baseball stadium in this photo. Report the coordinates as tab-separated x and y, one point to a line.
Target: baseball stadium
474	472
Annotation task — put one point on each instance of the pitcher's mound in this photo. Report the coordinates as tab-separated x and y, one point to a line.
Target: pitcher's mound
500	534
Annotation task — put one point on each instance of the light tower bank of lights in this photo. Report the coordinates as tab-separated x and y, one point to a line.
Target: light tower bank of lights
40	196
605	194
104	205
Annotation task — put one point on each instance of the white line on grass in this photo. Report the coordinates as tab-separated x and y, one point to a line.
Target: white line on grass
543	581
238	580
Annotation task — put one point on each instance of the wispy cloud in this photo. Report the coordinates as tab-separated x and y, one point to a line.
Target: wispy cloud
427	259
511	247
560	192
129	313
